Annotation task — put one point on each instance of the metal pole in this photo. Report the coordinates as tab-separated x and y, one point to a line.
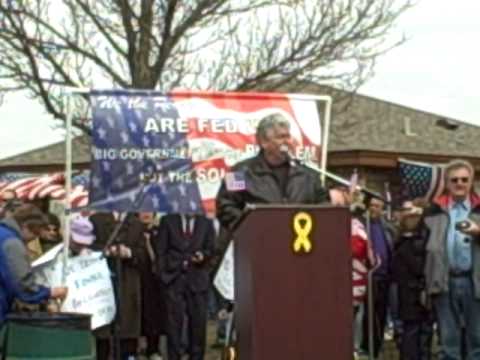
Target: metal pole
370	295
326	133
68	185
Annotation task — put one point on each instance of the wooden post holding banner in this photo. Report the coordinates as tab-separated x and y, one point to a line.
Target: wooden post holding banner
293	283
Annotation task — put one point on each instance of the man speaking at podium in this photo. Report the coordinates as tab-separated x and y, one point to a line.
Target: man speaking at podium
272	176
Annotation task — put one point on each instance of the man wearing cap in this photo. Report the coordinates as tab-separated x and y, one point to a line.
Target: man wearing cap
16	278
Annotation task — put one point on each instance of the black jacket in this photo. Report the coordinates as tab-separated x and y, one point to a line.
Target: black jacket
408	272
303	187
173	249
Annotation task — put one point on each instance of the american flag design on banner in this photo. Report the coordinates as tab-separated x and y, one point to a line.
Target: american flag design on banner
421	180
29	186
169	153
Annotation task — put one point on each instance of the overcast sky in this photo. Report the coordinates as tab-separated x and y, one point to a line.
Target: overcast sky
437	70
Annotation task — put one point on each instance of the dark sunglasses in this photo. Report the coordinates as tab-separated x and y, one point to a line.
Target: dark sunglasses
457	180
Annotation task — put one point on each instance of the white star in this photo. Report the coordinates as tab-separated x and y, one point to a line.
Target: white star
182	190
165	106
175	206
106	166
171	135
124	136
129	167
102	133
132	196
95	182
132	126
111	121
119	182
193	205
146	142
155	201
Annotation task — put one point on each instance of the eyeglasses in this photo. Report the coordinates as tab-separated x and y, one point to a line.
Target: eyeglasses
457	180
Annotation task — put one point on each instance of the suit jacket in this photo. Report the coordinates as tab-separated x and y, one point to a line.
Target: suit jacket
174	251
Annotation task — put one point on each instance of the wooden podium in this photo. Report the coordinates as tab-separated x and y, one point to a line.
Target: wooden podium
292	301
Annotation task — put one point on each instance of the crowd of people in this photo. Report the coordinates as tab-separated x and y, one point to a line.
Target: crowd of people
423	261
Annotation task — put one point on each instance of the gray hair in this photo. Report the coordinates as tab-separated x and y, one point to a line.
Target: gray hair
458	164
270	122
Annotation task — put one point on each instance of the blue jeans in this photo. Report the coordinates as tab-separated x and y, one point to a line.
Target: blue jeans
456	309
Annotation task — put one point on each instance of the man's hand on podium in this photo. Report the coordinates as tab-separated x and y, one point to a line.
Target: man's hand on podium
198	257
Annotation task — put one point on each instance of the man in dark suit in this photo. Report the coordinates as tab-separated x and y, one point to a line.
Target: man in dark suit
184	246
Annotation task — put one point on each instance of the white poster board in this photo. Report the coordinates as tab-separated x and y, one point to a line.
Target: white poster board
88	280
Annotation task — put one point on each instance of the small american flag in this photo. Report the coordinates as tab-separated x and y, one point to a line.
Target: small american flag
235	181
354	181
421	180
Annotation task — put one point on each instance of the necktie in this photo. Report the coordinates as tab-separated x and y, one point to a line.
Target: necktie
188	223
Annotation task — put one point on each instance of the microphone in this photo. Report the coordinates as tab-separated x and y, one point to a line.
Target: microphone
284	149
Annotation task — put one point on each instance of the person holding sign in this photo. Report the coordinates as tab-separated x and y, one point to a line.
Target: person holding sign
16	277
273	176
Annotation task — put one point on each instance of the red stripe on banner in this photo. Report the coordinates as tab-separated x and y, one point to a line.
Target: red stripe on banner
23	187
44	183
255	102
78	196
218	163
49	191
58	194
15	185
2	185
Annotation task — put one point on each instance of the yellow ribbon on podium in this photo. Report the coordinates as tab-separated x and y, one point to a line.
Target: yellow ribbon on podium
302	225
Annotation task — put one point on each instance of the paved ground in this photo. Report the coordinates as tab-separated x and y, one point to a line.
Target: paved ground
212	354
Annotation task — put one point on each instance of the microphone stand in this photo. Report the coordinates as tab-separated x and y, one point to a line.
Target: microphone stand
338	179
113	240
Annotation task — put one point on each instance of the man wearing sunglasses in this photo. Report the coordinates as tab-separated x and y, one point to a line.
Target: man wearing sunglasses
452	269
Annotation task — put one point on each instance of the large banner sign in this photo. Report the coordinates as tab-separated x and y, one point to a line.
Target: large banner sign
178	147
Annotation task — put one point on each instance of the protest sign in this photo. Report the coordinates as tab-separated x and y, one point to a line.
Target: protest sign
89	284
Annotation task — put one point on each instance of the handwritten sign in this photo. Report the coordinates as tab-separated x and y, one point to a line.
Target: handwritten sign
89	285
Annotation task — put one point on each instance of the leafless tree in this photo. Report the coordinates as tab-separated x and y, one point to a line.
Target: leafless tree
242	45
